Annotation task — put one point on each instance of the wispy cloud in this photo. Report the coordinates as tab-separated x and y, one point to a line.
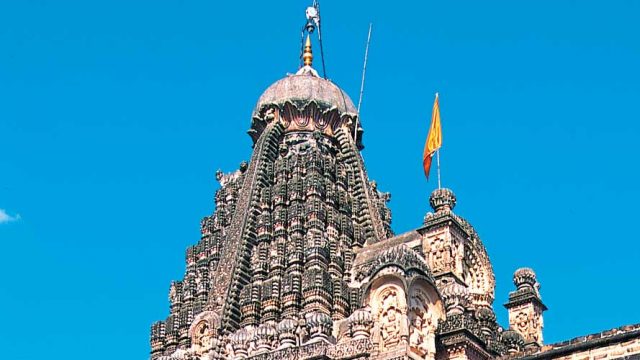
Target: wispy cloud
5	217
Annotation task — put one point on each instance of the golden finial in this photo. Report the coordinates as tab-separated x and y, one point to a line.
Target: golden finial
307	56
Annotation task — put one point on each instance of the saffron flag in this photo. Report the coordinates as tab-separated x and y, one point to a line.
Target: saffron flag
434	138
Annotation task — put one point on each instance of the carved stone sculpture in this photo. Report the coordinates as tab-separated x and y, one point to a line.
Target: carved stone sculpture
287	332
456	298
202	341
422	327
238	341
360	323
390	318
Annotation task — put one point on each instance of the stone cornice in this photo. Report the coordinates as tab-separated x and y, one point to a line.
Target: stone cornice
400	256
298	115
464	328
437	220
520	297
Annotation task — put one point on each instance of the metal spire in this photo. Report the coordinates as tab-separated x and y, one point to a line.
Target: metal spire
307	55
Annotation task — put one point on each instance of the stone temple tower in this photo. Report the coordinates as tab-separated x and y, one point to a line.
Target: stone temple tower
277	255
298	261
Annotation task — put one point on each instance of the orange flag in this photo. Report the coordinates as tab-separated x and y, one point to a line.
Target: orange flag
434	139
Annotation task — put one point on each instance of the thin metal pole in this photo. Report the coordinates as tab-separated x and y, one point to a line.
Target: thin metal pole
438	161
316	4
364	72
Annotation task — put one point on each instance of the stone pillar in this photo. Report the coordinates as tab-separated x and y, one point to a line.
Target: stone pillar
525	308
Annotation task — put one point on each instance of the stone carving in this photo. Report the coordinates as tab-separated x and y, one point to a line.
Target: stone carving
287	332
203	337
342	330
228	351
360	323
203	334
456	298
312	113
453	245
442	200
522	323
536	327
422	336
302	335
423	325
238	342
525	279
351	349
401	256
527	321
265	338
526	308
486	320
513	341
390	319
319	325
440	259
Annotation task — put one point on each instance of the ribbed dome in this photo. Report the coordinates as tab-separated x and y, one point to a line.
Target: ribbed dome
304	88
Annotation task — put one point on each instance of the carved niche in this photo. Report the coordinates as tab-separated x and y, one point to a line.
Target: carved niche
390	318
440	254
203	336
388	310
203	332
528	322
425	310
444	253
404	318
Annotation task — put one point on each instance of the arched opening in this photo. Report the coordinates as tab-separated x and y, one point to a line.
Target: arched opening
387	299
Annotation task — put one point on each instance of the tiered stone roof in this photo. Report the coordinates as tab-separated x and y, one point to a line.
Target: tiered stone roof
280	245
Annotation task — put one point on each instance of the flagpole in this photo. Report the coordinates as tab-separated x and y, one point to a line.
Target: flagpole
438	162
438	158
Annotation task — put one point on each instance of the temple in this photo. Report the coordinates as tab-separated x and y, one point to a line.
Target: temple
299	261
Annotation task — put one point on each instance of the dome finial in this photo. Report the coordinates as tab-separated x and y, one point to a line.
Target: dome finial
442	200
307	55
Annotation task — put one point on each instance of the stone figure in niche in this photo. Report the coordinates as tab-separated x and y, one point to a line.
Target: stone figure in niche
390	320
203	337
440	254
417	338
423	326
391	327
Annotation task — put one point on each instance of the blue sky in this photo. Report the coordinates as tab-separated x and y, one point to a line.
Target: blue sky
115	115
